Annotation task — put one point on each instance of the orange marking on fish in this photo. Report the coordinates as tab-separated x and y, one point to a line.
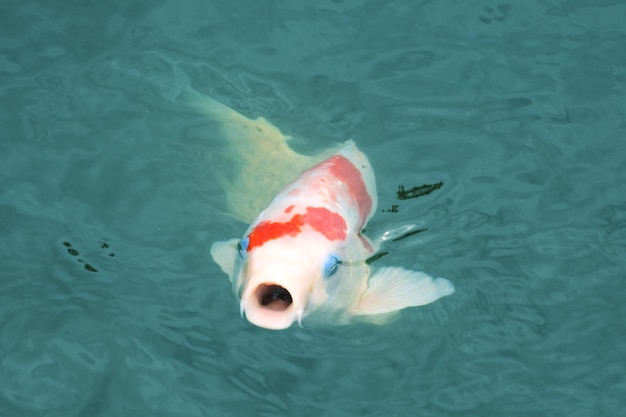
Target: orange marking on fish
320	219
344	170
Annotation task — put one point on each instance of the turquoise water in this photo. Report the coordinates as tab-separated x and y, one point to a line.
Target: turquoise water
111	306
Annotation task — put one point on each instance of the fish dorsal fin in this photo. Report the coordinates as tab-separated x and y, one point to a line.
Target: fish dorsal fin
224	253
264	161
394	288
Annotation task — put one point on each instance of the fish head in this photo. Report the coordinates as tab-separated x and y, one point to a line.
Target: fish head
286	279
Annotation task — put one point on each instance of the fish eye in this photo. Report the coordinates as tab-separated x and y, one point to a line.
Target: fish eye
331	266
242	246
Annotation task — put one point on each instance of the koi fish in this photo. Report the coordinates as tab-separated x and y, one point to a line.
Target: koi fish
304	254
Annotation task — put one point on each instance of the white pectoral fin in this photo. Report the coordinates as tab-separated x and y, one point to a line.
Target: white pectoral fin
393	288
224	254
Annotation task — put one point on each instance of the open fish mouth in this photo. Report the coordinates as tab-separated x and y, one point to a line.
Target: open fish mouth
273	297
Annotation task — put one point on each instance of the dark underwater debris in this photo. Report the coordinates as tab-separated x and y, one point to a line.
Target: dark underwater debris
393	209
407	234
72	251
375	257
404	194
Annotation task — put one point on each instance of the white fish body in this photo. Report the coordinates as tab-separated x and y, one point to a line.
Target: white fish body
304	254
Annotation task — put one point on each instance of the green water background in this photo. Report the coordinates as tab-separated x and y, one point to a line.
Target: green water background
111	306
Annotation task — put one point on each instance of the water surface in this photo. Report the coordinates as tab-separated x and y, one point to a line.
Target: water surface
111	306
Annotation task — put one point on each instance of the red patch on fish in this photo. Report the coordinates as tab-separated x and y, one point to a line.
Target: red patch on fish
328	223
320	219
345	171
288	209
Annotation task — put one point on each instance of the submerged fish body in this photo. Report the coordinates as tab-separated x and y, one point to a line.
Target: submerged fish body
304	255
